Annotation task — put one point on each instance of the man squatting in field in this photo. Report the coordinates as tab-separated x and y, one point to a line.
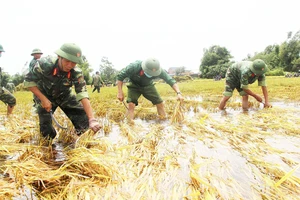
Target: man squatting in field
5	95
141	75
50	80
239	76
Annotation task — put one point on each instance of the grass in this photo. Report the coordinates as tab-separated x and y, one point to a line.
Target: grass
197	153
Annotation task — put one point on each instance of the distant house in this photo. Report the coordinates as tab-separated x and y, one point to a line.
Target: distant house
172	71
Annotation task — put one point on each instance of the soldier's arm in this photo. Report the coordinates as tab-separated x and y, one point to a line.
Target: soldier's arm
87	108
44	100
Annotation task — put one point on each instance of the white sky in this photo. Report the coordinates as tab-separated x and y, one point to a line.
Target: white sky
176	32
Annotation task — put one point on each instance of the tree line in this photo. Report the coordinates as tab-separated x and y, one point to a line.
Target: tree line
280	58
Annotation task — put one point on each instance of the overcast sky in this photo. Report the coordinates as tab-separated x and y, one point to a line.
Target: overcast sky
176	32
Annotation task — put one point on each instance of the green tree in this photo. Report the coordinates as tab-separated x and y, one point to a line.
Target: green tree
107	71
289	53
215	61
86	70
270	55
18	79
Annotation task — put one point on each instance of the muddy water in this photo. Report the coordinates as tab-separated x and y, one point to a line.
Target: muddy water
227	150
227	159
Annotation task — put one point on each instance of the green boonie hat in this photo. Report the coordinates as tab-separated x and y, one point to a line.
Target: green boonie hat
1	48
70	51
36	51
259	67
151	67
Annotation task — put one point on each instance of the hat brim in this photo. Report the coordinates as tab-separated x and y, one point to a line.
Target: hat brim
72	58
36	53
256	72
150	72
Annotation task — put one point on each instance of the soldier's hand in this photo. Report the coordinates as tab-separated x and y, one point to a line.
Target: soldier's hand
94	125
120	96
180	97
46	104
267	105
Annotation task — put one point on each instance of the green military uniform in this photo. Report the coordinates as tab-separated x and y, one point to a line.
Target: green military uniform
239	76
11	87
56	85
5	95
96	82
32	63
140	84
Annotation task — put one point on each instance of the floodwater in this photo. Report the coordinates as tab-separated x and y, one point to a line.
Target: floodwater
234	151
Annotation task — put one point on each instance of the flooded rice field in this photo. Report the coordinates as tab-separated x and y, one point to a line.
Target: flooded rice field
207	155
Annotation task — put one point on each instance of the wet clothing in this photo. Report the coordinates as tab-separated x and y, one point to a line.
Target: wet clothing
56	85
10	87
239	76
5	95
140	84
96	82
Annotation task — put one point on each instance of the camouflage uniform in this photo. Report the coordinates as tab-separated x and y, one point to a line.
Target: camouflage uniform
96	82
56	85
11	87
239	76
5	95
140	84
32	63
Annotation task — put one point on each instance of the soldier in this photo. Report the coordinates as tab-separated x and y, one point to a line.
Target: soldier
96	82
36	53
141	75
11	86
5	95
239	76
51	80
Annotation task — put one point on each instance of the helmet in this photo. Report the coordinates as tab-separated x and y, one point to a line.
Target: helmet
1	48
151	67
36	51
259	67
71	52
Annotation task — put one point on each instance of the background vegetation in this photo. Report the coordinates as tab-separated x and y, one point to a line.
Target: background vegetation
281	59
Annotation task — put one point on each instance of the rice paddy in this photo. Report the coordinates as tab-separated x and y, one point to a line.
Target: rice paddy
198	152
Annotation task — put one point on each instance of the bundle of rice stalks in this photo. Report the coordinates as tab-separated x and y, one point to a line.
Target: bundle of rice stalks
33	171
90	164
8	189
178	115
85	139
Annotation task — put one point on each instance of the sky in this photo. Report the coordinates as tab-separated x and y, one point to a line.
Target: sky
174	31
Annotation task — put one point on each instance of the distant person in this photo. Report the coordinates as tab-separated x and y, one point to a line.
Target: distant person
141	75
96	82
36	53
1	50
239	76
5	95
51	81
11	86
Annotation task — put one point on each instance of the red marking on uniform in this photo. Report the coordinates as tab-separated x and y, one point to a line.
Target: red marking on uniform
54	71
142	73
252	75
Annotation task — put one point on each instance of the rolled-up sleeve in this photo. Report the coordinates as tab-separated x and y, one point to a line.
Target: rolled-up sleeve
126	72
166	77
80	85
262	80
